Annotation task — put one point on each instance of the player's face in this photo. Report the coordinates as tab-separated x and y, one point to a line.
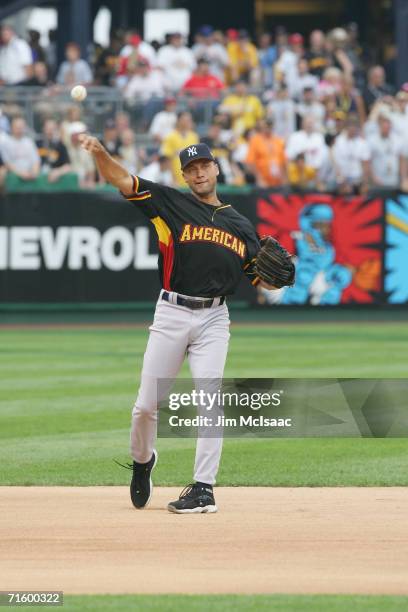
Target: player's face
201	176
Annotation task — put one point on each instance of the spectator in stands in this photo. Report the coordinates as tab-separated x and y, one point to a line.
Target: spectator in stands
304	79
158	171
74	70
400	114
39	77
266	157
128	153
73	115
182	136
214	52
107	64
51	53
177	62
53	153
243	57
318	58
356	55
122	121
239	152
286	68
38	53
349	100
134	45
144	83
134	53
282	110
81	162
386	148
351	155
203	84
336	44
221	152
376	86
244	108
214	140
281	38
331	82
267	56
308	141
335	120
301	176
225	123
16	61
310	106
164	121
110	139
19	152
326	174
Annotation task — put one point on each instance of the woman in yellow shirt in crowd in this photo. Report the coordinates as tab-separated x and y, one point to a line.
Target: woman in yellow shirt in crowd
181	137
245	109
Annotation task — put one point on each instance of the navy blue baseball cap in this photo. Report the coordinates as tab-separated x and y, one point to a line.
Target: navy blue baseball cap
193	152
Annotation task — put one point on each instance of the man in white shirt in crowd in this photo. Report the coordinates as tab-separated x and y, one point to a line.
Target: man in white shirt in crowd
308	105
19	153
134	42
158	171
386	148
16	60
400	114
164	121
287	64
177	62
214	52
304	79
282	110
144	83
351	156
309	141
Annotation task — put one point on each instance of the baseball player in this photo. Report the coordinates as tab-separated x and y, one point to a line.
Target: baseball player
205	245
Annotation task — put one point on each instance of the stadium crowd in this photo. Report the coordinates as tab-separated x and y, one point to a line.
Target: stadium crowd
283	112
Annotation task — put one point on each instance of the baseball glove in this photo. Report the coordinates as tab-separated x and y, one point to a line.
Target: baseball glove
274	264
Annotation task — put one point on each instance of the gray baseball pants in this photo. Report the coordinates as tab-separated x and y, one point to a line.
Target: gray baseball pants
178	331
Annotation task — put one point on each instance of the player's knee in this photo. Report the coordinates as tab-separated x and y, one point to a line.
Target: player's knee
143	408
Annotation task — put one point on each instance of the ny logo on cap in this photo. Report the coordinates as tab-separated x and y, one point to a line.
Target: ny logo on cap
192	151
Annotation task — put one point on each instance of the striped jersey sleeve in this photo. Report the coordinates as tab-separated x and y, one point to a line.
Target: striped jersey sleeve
146	196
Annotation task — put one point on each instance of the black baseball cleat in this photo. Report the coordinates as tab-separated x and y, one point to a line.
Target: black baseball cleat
194	499
141	486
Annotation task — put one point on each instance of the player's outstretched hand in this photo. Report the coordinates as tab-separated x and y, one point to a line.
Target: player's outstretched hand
90	144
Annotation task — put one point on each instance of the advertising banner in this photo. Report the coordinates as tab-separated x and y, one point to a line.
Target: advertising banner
85	247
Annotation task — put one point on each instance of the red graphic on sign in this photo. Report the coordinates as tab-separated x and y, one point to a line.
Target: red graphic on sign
337	242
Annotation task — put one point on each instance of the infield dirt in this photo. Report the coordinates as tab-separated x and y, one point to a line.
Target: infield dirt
262	540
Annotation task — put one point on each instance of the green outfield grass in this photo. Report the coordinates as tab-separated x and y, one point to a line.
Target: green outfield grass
66	397
231	603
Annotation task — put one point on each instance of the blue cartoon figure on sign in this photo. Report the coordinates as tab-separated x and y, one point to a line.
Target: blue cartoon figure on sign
319	279
396	253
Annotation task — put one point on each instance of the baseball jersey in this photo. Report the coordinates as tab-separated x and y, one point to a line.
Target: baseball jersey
203	249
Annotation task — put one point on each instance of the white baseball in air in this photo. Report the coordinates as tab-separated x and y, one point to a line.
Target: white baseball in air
78	93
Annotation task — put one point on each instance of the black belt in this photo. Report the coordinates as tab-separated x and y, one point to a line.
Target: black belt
193	304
